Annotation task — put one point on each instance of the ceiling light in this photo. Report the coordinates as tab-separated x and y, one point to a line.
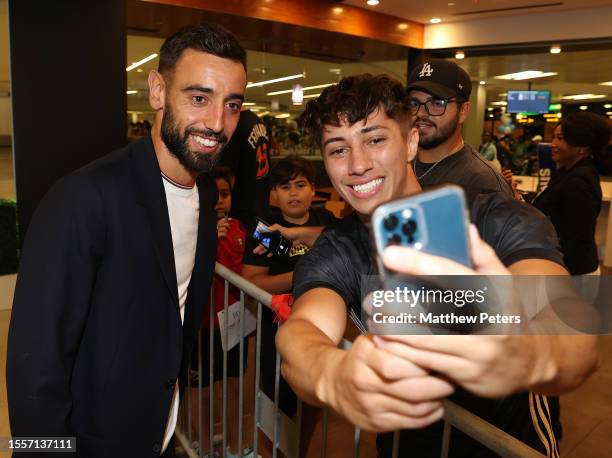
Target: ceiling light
526	75
482	83
248	104
263	113
288	91
451	4
402	26
131	92
583	96
373	2
584	107
607	83
608	105
501	103
490	109
297	95
435	20
459	55
282	116
556	49
140	62
276	80
311	96
139	70
337	10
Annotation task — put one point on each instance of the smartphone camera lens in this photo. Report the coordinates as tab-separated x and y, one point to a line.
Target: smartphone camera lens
409	228
390	222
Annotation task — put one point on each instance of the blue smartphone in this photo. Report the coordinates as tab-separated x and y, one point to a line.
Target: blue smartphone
434	221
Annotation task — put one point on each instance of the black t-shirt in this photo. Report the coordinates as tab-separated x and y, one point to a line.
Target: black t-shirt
283	264
344	255
248	157
465	168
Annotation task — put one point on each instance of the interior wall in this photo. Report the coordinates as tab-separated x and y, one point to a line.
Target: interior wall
64	56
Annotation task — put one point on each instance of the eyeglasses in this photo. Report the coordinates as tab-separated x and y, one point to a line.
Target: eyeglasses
434	107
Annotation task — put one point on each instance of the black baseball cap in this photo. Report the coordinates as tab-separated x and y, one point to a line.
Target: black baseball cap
441	78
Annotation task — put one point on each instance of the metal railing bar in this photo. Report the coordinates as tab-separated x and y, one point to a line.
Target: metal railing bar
241	376
257	375
226	326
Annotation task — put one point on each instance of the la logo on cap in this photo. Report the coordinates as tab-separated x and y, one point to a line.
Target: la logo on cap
426	70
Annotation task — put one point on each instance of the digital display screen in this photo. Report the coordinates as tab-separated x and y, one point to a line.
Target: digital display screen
528	101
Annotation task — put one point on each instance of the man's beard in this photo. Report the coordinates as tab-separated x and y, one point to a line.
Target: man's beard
179	145
441	134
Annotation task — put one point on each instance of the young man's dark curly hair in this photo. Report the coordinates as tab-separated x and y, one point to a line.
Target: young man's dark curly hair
353	99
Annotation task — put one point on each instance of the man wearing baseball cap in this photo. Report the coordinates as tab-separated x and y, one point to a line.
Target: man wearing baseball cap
439	92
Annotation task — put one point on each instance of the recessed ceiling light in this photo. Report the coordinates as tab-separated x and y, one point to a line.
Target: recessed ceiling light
583	96
337	10
373	2
607	83
525	75
139	70
555	49
248	104
276	80
402	26
501	103
131	92
435	20
140	62
584	107
482	83
459	55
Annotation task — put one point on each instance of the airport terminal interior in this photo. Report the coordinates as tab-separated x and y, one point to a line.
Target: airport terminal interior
513	50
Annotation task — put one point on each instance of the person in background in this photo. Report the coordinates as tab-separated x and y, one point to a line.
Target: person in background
439	102
293	182
573	197
247	155
231	236
488	150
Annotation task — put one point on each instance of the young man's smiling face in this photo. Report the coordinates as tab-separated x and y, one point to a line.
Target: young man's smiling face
367	162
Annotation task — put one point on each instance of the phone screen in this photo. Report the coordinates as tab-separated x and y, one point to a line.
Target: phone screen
261	234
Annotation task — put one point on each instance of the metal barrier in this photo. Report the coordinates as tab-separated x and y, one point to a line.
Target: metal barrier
267	417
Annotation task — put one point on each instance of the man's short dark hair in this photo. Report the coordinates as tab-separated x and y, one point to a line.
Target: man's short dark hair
354	98
206	37
290	168
586	130
221	172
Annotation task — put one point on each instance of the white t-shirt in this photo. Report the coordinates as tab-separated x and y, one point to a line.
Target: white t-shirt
184	212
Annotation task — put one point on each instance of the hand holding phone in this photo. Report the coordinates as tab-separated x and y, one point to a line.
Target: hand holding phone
273	241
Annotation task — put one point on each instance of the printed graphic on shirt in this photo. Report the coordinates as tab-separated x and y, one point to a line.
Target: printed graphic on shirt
258	139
